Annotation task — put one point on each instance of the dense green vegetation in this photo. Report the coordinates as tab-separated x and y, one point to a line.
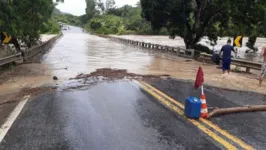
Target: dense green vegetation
107	19
193	19
26	19
190	19
50	27
66	18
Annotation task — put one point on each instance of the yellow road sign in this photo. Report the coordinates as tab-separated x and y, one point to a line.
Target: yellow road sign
6	39
238	41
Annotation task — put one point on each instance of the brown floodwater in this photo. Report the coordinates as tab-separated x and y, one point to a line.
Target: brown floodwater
79	52
179	42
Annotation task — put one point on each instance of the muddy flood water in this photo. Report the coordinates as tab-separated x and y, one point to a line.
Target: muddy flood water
78	52
179	42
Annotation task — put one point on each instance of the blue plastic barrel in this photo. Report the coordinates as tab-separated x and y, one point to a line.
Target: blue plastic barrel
192	107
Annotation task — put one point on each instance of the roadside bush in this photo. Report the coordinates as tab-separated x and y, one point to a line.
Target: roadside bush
50	27
95	25
130	32
103	30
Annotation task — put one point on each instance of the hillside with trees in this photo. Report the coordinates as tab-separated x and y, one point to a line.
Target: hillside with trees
106	18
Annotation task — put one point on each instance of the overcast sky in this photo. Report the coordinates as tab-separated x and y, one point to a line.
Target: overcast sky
77	7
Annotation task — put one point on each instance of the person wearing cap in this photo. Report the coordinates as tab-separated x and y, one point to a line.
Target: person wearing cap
227	51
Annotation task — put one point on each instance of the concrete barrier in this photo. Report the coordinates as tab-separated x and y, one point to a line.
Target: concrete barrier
29	53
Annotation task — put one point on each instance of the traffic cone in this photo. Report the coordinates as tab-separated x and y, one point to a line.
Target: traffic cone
204	108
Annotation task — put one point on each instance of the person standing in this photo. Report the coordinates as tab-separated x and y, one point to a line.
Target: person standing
227	51
263	67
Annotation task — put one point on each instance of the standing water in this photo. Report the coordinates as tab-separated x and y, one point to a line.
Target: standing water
179	42
78	52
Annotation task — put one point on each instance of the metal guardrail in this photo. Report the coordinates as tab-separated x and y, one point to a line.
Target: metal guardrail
238	62
10	59
29	53
188	53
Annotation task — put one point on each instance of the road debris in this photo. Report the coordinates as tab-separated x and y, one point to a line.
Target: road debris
55	78
116	74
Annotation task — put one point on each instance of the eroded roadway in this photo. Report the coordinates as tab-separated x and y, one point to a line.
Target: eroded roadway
115	115
109	115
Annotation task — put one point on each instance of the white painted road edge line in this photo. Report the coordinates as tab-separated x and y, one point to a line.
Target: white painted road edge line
12	117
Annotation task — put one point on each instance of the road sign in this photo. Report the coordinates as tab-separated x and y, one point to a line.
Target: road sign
5	38
238	41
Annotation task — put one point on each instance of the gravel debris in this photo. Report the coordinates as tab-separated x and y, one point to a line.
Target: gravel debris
116	74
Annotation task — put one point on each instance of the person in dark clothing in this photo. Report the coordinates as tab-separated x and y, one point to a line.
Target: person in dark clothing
227	50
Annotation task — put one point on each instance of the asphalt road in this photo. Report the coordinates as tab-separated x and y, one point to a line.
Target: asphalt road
249	127
109	115
119	114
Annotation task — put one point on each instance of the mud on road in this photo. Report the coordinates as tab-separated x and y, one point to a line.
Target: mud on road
116	74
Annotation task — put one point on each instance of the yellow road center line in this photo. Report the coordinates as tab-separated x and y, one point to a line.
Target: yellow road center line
213	135
207	122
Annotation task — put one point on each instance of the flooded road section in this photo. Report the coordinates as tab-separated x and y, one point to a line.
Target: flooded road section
78	52
179	42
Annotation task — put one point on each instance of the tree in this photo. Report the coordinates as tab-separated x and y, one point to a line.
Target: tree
250	19
83	19
25	18
193	19
100	6
109	4
90	9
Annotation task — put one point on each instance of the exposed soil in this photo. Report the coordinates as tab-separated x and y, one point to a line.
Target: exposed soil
15	97
116	74
26	70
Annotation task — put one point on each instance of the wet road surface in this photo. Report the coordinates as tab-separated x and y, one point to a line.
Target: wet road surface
249	127
78	52
113	115
118	115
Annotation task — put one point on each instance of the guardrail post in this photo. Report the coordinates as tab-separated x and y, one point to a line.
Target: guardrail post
192	53
156	47
168	49
178	51
247	70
